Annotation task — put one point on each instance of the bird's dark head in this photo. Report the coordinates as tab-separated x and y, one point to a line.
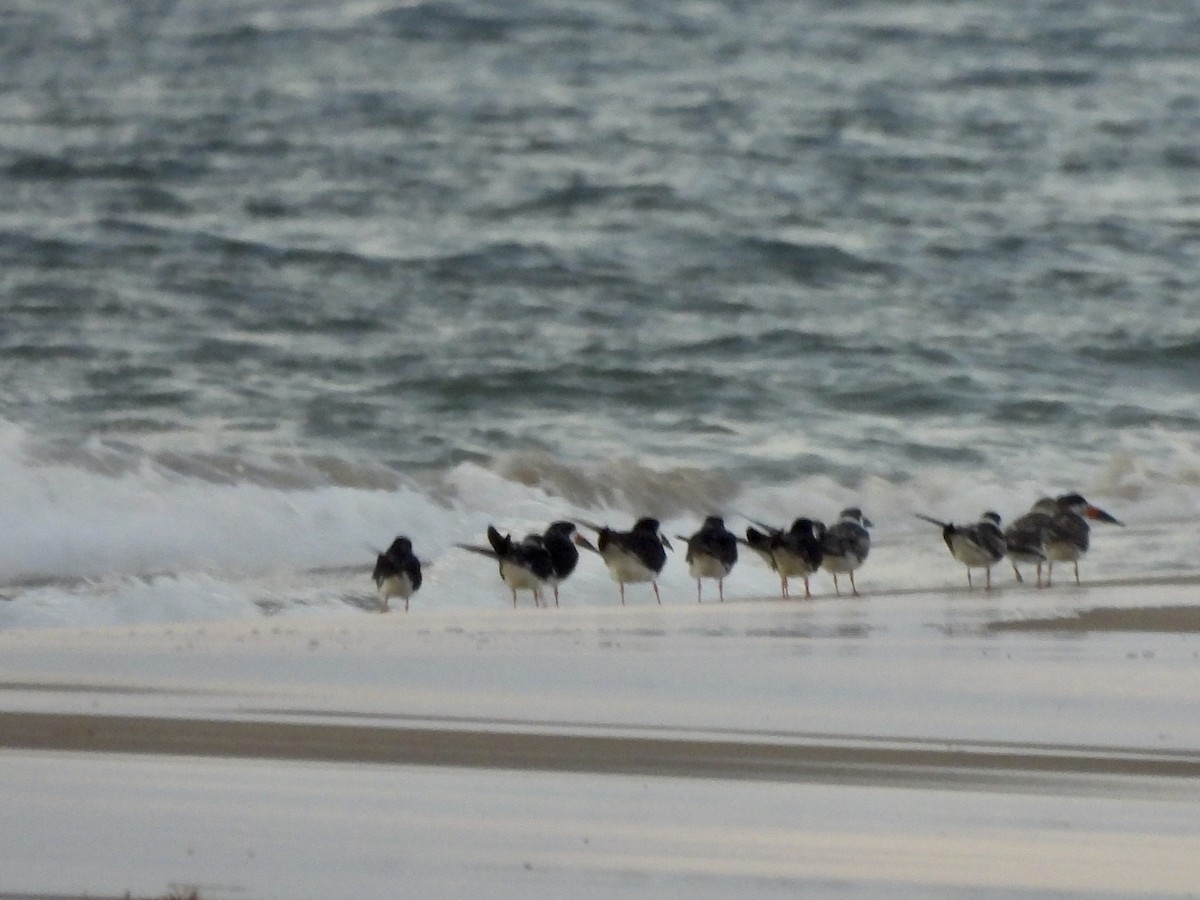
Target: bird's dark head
803	525
401	546
1077	504
854	514
650	525
990	516
1071	502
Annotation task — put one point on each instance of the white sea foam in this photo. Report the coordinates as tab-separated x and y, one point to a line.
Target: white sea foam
146	543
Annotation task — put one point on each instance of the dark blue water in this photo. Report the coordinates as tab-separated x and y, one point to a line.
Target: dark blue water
612	250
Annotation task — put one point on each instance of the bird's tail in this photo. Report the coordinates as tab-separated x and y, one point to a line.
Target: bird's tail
482	551
938	522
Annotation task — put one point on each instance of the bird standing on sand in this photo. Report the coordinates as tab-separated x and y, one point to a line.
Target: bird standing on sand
1054	530
795	553
978	546
632	556
1067	537
525	565
397	572
561	540
845	546
1025	538
711	553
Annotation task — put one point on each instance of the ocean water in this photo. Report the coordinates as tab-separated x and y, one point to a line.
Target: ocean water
282	278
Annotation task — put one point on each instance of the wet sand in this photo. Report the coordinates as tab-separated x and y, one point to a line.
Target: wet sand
1166	619
892	763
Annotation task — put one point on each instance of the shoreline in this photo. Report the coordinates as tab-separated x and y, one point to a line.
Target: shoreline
1096	616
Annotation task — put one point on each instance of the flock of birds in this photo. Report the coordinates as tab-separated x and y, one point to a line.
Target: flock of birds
1054	530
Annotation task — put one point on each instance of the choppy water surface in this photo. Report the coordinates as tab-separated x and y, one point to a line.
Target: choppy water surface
334	272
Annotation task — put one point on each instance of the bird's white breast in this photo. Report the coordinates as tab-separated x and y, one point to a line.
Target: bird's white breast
625	567
703	566
518	578
790	565
396	586
969	553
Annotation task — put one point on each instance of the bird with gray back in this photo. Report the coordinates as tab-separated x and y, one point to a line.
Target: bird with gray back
845	546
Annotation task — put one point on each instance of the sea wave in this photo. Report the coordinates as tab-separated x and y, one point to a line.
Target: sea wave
809	263
253	513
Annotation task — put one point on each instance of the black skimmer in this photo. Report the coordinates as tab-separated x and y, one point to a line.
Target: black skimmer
525	565
795	553
978	546
397	572
711	553
561	540
635	555
1066	538
1026	537
845	546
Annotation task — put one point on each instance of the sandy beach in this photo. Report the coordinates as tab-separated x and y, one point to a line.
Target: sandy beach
898	745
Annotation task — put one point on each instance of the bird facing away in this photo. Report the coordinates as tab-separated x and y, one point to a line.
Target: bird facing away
795	553
637	555
978	546
1025	538
525	565
1067	537
562	540
711	553
397	572
845	546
